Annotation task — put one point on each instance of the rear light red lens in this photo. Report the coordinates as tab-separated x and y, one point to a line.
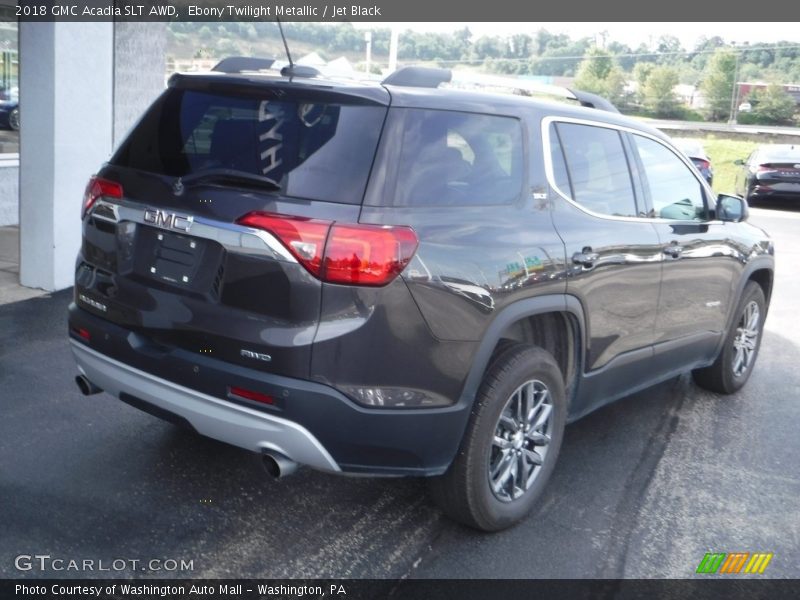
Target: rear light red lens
765	168
703	164
83	333
96	188
350	254
251	395
304	238
368	254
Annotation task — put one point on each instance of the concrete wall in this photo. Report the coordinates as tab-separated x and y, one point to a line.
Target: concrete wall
140	55
9	194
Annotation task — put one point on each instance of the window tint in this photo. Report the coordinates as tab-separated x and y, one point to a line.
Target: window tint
458	159
559	164
598	169
310	150
675	192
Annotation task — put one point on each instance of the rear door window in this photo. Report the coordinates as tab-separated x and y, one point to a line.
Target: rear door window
449	158
596	168
310	150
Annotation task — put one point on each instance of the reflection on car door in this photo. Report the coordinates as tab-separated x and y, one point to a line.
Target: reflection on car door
614	250
699	258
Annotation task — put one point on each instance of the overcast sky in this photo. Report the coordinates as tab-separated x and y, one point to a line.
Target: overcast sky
628	33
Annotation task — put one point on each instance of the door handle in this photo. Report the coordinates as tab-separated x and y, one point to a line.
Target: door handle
674	250
586	258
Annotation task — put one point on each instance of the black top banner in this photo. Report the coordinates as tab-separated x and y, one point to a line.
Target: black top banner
401	11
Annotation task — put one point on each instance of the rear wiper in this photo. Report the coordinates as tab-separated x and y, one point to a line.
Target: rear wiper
232	175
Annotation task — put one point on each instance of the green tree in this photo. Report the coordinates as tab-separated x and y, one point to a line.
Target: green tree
717	83
772	105
599	74
659	92
641	71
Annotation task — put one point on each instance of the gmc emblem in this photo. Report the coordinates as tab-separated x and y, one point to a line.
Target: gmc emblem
167	220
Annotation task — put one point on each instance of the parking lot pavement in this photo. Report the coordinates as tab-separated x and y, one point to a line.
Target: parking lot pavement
643	487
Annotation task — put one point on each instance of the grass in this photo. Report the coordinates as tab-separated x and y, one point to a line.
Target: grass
722	153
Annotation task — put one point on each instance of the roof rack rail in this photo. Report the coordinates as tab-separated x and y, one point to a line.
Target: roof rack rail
237	64
433	77
592	100
427	77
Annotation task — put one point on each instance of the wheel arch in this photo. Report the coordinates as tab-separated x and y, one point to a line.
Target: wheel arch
760	270
553	322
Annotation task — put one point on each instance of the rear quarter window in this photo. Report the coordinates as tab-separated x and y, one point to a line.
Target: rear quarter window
448	158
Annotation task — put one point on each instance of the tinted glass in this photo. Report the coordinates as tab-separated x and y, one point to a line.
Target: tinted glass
310	150
779	154
675	192
452	158
598	169
559	164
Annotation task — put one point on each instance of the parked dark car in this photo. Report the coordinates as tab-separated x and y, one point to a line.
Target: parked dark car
697	154
403	279
9	108
771	171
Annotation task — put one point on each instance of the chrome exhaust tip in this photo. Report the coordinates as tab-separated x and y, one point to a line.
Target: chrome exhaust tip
86	387
277	465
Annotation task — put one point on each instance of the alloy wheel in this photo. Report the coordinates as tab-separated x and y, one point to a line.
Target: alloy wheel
521	441
746	340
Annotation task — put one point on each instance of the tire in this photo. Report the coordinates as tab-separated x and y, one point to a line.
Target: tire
465	492
735	362
13	119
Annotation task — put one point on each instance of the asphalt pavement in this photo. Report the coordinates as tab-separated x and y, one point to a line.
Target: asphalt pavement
643	488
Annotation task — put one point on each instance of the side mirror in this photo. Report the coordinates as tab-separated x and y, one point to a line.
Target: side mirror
731	208
739	162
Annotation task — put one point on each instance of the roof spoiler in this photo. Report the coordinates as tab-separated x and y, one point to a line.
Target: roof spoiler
432	77
237	64
427	77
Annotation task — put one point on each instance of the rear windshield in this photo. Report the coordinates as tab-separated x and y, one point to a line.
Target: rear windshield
777	155
310	150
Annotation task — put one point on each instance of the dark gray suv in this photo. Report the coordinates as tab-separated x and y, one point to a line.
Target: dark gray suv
402	279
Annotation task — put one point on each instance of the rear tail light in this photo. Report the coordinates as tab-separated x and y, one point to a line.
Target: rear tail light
702	164
350	254
97	188
762	168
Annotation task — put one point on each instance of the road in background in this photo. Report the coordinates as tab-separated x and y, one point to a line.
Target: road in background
643	488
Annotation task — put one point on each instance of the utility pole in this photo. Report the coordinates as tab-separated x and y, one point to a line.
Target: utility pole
735	92
368	40
393	43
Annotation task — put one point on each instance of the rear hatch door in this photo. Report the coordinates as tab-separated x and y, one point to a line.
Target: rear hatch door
168	259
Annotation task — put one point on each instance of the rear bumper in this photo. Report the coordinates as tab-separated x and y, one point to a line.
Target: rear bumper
770	189
215	418
310	422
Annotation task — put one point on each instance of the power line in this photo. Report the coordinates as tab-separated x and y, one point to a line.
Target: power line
736	49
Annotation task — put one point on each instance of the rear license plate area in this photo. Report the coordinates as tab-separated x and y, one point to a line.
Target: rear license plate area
175	259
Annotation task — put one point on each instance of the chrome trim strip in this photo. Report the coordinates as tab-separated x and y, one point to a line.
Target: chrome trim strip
219	419
548	168
234	237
